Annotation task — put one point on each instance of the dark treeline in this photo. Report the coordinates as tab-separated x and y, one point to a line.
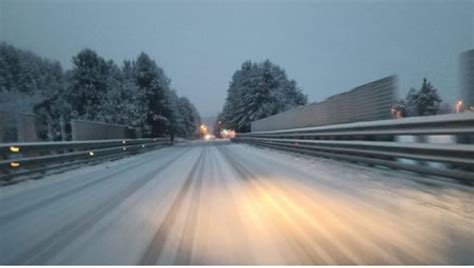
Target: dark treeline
137	94
256	91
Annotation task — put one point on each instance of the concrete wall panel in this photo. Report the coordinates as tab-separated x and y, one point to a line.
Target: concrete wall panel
87	130
367	102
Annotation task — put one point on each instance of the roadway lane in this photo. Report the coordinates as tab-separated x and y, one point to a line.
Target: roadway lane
222	203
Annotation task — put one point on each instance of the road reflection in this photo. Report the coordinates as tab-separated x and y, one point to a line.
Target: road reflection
248	218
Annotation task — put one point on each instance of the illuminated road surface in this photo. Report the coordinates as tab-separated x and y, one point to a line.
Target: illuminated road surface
222	203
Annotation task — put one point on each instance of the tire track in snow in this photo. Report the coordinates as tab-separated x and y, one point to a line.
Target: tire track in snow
309	256
44	250
339	252
155	247
243	254
185	248
14	215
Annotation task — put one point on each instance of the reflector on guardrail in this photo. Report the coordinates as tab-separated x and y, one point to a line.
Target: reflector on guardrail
14	149
40	156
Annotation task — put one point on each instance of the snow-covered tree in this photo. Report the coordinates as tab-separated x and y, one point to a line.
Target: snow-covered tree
426	101
32	84
154	84
88	85
256	91
410	101
218	125
122	103
137	94
54	109
188	118
9	67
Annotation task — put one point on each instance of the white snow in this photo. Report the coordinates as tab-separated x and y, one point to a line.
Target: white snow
255	205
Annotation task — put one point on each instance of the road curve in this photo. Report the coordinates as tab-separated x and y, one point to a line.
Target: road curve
223	203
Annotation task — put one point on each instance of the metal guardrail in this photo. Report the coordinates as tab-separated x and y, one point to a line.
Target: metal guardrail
19	159
378	143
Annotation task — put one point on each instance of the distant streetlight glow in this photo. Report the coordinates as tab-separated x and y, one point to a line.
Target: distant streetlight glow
227	133
203	130
91	153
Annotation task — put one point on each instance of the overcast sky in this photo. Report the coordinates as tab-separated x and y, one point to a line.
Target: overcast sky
327	46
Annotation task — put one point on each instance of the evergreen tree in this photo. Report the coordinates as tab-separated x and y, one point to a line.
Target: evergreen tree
153	83
137	95
411	102
88	85
428	99
30	83
218	125
9	67
424	102
54	109
256	91
189	119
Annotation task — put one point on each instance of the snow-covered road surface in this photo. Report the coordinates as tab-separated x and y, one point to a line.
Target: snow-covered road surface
223	203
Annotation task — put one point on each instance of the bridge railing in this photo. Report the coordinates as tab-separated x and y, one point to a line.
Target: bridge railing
383	143
32	157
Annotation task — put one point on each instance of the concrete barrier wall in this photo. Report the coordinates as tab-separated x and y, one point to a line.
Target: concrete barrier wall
87	130
28	127
367	102
8	129
19	127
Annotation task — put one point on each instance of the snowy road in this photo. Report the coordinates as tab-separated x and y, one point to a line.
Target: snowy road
222	203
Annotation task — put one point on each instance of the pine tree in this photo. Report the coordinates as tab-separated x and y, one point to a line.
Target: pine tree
88	85
428	99
424	102
256	91
189	119
137	95
411	102
54	109
154	84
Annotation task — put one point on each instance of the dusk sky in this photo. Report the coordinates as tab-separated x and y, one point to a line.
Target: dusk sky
327	46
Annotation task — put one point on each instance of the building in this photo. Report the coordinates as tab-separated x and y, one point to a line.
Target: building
467	78
467	89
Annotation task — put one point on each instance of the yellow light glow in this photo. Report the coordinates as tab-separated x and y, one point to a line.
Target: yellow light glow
227	133
14	164
91	153
14	149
